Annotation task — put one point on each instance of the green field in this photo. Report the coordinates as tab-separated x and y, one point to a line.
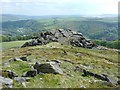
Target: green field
6	45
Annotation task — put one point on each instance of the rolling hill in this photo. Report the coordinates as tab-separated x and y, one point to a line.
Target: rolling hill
94	28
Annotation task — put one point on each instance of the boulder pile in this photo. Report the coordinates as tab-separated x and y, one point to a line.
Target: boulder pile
63	36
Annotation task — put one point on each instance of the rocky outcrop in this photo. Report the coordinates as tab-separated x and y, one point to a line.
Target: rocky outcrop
48	67
104	77
63	36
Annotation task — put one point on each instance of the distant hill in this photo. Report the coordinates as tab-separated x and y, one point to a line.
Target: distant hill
93	28
9	17
12	17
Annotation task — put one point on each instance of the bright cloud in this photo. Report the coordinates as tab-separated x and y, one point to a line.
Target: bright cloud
58	7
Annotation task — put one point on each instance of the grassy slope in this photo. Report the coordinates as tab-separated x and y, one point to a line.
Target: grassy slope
6	45
102	61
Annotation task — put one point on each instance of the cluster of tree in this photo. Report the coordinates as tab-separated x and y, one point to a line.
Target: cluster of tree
15	38
110	44
21	27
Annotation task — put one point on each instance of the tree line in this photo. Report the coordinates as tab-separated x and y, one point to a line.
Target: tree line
110	44
14	38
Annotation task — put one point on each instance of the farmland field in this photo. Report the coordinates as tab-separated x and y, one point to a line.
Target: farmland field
6	45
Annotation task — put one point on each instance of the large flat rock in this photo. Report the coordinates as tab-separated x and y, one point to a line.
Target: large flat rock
48	67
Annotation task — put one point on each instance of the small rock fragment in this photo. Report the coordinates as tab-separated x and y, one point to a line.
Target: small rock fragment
11	74
23	58
21	79
6	82
30	73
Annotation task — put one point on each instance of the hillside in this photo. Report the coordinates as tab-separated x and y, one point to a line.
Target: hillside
22	27
72	61
93	28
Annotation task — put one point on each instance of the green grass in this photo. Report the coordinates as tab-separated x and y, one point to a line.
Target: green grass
18	67
6	45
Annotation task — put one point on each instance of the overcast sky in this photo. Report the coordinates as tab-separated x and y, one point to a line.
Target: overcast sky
59	7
